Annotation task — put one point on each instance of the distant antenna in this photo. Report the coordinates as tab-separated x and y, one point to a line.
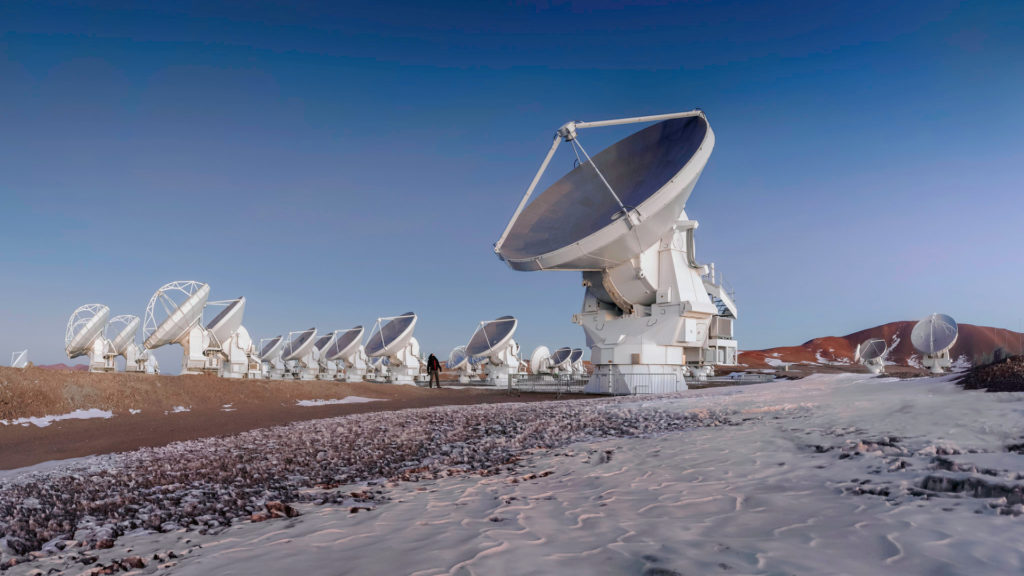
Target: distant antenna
121	331
348	353
576	362
174	316
84	337
392	339
540	361
272	365
561	360
236	353
871	353
328	367
933	337
492	343
300	356
19	359
458	361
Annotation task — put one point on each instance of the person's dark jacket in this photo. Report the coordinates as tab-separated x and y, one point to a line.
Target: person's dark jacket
433	364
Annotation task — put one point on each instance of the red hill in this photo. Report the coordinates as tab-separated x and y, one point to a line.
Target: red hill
974	345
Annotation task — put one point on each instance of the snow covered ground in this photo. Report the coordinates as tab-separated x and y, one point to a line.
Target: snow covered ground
44	421
833	474
345	400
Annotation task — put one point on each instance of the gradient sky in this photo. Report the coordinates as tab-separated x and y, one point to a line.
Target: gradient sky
338	163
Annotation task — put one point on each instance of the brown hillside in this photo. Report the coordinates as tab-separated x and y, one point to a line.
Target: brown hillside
975	345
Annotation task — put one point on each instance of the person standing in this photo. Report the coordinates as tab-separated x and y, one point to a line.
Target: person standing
434	370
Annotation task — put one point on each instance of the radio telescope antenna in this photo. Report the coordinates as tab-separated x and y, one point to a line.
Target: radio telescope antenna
231	347
272	366
19	359
459	361
871	353
540	362
392	339
300	356
933	337
84	337
328	369
576	362
492	344
124	329
619	218
174	316
348	354
561	360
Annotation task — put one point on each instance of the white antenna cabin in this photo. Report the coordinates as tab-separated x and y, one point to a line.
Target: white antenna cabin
648	307
19	359
933	337
871	353
540	363
492	344
84	337
392	340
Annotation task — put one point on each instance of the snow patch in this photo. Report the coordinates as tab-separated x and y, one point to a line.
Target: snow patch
345	400
133	411
44	421
178	409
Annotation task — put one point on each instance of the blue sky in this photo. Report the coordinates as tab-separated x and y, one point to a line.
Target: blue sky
339	163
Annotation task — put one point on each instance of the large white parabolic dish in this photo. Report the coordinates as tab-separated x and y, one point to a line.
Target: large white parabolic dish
560	357
179	320
299	345
934	334
126	336
491	335
457	358
391	336
872	349
577	224
576	355
272	348
224	325
345	343
85	325
324	342
539	358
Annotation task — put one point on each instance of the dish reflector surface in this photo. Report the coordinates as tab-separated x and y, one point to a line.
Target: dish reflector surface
86	324
272	347
323	342
181	319
391	336
540	353
299	345
491	335
345	343
653	172
458	358
560	356
873	348
224	325
577	353
934	334
127	334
